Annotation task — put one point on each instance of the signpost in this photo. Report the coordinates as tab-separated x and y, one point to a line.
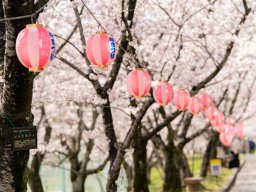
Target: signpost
215	165
23	138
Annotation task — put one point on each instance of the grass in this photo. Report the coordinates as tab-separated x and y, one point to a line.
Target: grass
211	183
156	178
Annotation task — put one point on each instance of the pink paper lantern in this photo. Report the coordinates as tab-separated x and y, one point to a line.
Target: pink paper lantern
221	127
218	119
181	99
195	105
139	82
240	130
207	101
230	120
101	49
210	113
226	139
35	47
163	93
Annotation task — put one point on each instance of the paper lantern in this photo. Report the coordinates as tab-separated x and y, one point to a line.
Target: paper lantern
230	120
35	47
207	101
226	139
240	130
230	129
181	99
221	127
195	105
210	113
101	49
139	82
218	119
163	93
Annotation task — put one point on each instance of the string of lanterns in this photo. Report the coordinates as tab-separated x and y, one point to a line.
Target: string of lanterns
35	48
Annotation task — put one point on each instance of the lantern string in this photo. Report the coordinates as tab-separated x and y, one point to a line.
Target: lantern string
137	64
91	13
26	16
33	15
32	19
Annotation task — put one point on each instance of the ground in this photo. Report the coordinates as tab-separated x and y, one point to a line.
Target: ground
246	179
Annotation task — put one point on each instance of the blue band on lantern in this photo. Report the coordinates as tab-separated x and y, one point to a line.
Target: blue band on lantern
112	47
53	49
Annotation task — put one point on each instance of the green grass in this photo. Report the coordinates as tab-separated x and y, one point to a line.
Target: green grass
211	183
156	177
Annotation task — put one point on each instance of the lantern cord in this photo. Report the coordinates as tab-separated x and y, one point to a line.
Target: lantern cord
32	19
91	13
26	16
99	24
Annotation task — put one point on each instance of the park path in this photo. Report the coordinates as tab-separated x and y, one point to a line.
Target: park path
246	179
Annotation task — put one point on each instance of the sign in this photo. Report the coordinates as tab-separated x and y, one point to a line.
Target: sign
24	138
215	167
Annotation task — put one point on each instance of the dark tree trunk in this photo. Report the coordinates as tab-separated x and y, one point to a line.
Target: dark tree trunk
78	184
2	41
172	179
185	166
34	178
210	153
129	173
140	180
16	100
35	182
77	177
109	130
110	133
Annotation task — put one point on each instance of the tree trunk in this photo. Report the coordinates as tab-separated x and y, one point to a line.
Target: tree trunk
172	179
2	41
34	178
140	181
35	182
210	152
129	173
185	166
110	131
16	100
78	184
77	178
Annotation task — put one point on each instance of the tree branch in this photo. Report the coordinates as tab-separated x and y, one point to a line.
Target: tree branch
122	46
99	168
95	83
226	55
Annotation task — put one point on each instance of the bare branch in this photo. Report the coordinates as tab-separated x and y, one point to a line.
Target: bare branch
168	14
67	41
95	83
99	168
229	48
162	125
194	135
40	3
